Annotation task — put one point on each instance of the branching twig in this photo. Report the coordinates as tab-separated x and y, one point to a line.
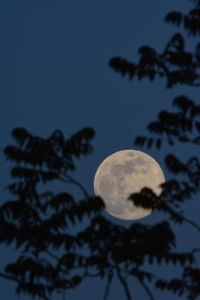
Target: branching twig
123	282
191	223
167	208
146	289
110	277
9	277
69	179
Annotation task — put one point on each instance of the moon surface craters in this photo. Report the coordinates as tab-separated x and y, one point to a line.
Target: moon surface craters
130	154
122	174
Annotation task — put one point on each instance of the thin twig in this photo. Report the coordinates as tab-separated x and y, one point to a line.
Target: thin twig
173	211
69	179
191	223
123	282
110	277
147	289
9	277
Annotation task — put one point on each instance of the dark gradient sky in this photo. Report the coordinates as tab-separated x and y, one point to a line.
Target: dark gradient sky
55	75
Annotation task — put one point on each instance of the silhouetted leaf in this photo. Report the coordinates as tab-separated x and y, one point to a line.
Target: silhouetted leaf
174	17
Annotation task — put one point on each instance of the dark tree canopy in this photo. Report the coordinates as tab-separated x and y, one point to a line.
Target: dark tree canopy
40	223
175	63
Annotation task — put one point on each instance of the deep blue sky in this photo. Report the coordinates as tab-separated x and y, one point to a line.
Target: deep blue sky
55	75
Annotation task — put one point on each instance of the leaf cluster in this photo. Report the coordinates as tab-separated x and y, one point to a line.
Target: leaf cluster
40	224
55	153
181	125
175	63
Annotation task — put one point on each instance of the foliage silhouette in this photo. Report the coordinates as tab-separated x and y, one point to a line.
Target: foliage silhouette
40	224
178	66
175	63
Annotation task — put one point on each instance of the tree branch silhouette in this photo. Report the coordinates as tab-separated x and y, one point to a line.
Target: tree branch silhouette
45	217
69	179
149	293
9	277
123	282
109	281
177	66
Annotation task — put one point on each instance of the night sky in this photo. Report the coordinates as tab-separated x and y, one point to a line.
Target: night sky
55	75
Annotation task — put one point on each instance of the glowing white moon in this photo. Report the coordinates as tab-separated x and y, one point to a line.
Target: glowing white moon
122	174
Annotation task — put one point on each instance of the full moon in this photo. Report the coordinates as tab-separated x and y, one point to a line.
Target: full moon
122	174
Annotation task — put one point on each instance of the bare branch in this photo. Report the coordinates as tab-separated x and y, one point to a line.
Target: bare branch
191	223
146	289
123	282
9	277
110	277
69	179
